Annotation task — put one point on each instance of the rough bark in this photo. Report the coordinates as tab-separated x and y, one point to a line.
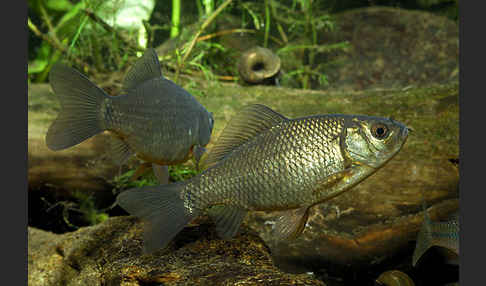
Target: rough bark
110	253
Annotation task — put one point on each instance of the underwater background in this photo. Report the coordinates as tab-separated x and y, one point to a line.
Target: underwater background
394	59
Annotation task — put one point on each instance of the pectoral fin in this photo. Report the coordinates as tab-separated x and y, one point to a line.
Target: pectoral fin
324	188
291	223
197	152
161	172
141	169
120	151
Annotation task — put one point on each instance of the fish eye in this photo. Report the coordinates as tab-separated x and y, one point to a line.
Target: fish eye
379	131
211	121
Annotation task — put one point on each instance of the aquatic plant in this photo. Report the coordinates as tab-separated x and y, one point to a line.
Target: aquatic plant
80	33
76	33
176	18
80	210
124	181
306	23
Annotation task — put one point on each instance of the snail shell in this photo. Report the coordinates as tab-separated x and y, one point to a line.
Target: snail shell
394	278
258	64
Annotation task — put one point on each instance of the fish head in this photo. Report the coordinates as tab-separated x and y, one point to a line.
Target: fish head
205	127
372	141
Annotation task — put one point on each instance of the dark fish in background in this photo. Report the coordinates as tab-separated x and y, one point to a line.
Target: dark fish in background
264	161
153	118
442	233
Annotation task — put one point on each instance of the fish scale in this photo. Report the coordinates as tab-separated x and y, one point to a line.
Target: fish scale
264	161
154	137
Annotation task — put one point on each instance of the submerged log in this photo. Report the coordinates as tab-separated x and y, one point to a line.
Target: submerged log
375	219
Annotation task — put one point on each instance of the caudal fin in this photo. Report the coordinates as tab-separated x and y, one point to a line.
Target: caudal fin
79	118
163	210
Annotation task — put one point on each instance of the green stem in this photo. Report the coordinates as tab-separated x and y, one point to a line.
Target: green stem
55	44
267	23
208	6
201	29
78	32
176	18
199	9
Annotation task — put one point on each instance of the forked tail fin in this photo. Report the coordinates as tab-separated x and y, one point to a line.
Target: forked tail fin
163	210
79	118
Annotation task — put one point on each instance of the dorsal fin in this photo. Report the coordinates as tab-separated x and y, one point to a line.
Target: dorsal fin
145	68
246	124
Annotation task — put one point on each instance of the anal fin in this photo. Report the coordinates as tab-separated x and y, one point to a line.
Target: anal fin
197	152
227	219
291	223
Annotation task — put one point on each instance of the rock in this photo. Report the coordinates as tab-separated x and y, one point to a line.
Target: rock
110	254
390	47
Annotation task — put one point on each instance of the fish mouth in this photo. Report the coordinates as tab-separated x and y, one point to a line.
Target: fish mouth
357	164
403	136
404	132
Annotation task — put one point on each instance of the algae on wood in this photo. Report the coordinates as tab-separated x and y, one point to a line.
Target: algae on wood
431	111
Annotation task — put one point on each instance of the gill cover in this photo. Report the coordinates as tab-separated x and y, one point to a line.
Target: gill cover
373	141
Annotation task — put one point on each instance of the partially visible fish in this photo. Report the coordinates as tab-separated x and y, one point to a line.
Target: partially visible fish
264	161
443	233
153	118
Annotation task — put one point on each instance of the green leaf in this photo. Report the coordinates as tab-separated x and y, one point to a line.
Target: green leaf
323	80
41	62
254	16
36	66
59	5
73	12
